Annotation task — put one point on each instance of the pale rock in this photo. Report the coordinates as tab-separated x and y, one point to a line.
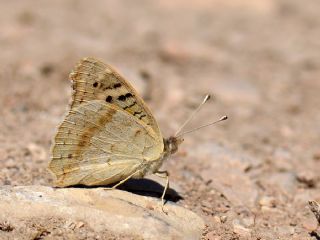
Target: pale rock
223	218
248	221
116	211
285	230
308	178
212	236
217	219
271	210
239	229
310	223
267	201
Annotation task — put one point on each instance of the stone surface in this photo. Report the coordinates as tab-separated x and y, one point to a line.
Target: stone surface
239	229
236	186
119	212
267	201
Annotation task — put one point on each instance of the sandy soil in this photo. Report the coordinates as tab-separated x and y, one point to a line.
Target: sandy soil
250	177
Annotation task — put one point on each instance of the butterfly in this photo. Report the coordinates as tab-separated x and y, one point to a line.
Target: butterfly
109	135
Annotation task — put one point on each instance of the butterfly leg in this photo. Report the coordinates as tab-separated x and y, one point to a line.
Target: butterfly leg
163	174
123	181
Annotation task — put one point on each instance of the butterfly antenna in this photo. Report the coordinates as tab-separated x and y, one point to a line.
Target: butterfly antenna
206	98
209	124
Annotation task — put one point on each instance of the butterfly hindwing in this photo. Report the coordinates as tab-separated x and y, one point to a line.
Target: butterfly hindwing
94	80
99	143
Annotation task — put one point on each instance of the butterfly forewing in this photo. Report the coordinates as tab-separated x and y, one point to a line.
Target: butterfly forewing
94	80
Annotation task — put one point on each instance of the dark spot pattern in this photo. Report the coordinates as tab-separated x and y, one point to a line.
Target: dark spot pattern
137	133
107	88
124	97
136	113
69	155
95	84
142	116
131	105
117	85
109	99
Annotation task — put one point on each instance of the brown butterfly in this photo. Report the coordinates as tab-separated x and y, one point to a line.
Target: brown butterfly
109	135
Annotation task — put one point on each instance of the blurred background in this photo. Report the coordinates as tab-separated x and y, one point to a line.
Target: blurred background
258	59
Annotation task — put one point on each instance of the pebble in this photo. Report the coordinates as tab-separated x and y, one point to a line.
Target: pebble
310	223
239	229
285	230
267	201
307	178
248	221
212	236
217	219
223	218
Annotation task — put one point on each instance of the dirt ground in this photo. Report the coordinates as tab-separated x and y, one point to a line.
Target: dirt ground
250	177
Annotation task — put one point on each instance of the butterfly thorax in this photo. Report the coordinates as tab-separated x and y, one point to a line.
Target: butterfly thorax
171	145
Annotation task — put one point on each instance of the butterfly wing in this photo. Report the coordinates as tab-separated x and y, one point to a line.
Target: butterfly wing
99	143
94	80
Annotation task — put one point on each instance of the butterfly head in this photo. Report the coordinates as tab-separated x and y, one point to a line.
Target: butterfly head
171	144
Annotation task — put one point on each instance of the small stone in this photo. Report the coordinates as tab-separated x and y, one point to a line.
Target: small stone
80	224
267	201
239	229
307	178
212	236
248	221
315	209
10	163
217	219
70	224
223	219
285	230
5	227
206	206
310	224
271	210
